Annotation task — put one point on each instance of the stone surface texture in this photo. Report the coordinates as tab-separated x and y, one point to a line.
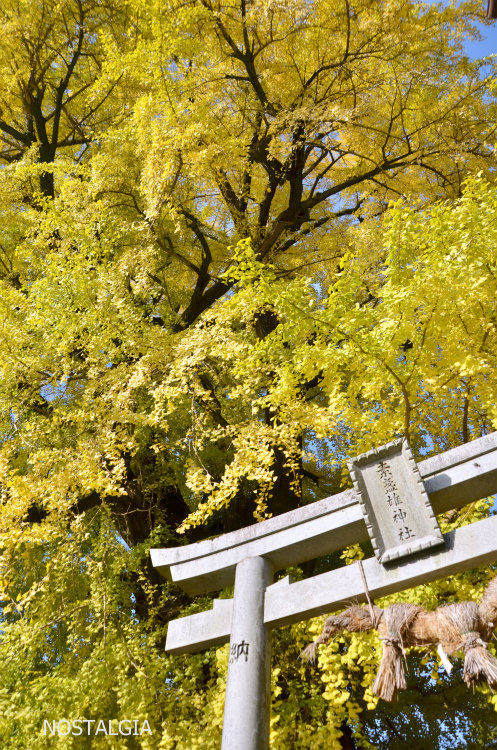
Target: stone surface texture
249	557
285	602
451	479
246	708
392	497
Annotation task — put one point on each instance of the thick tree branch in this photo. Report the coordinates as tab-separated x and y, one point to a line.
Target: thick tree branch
14	133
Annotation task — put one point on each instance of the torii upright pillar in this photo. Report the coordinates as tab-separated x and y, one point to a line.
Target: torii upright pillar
248	687
248	557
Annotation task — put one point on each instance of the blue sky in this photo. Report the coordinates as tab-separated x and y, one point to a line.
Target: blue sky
488	30
488	45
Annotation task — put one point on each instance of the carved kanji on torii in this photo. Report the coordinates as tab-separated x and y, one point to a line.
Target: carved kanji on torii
394	502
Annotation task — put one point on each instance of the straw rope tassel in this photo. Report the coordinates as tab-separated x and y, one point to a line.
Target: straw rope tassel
391	677
463	626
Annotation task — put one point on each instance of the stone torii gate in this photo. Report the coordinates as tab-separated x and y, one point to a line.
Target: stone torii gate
394	502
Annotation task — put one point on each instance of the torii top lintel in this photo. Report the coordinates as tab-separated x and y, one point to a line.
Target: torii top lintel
451	479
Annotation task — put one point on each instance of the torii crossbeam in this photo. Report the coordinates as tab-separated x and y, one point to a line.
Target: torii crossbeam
250	556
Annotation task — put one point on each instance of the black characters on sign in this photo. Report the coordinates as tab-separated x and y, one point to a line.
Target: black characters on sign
396	503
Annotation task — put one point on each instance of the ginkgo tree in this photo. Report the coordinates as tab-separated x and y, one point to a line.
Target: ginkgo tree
239	244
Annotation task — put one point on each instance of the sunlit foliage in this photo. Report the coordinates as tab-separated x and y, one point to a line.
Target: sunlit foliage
239	243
